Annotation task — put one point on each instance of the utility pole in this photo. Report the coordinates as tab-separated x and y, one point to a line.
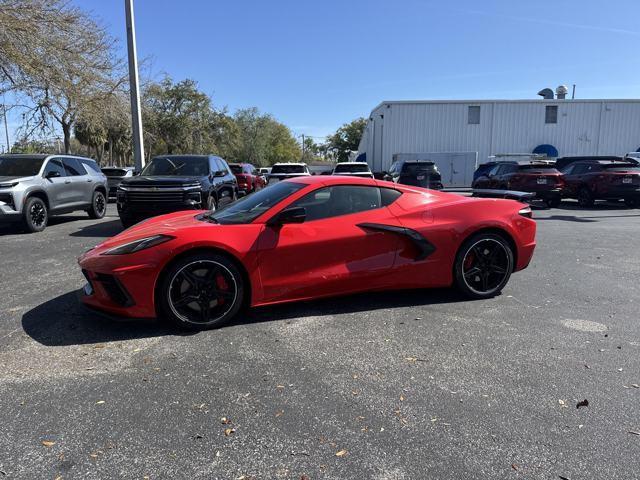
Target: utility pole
134	89
6	126
303	147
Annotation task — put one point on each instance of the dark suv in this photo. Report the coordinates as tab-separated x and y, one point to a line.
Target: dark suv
540	178
171	183
418	173
590	180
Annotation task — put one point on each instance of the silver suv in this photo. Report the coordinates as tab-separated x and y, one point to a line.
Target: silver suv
33	187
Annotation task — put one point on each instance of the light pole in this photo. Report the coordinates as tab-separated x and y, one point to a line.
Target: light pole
6	126
134	90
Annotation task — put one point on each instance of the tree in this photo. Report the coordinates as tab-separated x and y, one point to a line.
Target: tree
346	139
57	60
178	117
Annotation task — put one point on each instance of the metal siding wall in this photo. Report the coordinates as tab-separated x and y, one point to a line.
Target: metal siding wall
518	127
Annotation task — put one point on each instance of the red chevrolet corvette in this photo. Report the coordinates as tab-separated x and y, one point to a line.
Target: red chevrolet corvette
306	238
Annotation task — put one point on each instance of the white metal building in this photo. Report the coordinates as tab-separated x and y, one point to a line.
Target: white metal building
463	133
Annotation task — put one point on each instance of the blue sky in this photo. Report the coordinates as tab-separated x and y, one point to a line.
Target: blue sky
316	65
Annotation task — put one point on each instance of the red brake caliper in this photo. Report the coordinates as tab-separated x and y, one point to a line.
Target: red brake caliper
222	284
469	261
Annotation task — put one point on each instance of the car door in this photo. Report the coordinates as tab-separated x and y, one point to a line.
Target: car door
332	251
80	189
56	187
570	180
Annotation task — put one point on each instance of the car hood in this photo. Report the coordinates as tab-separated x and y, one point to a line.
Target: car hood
8	179
159	181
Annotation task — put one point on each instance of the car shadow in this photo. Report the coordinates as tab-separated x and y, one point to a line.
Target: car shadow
63	321
102	229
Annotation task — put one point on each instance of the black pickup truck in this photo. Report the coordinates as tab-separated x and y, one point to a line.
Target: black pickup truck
171	183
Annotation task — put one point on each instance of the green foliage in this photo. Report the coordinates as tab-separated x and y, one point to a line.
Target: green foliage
346	139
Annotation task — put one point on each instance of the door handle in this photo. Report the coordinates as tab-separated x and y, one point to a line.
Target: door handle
89	180
67	182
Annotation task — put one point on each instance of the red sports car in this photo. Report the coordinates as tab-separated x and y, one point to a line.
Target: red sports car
306	238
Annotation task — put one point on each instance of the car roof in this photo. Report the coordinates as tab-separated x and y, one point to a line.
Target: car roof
331	180
352	163
289	163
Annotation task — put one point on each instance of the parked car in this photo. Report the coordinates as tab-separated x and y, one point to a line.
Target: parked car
248	177
265	171
282	171
352	169
591	180
115	175
483	169
34	187
564	162
170	183
419	173
305	238
540	178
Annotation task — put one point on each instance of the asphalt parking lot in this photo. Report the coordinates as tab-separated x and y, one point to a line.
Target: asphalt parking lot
410	385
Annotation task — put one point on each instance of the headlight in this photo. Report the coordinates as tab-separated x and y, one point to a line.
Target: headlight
8	185
139	244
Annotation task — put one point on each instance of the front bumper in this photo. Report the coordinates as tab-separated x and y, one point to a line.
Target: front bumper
8	214
118	285
142	211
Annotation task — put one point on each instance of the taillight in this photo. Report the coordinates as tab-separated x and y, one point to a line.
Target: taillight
526	212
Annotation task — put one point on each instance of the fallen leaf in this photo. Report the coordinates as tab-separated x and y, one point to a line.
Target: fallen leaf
563	478
401	398
280	413
583	403
48	443
229	431
634	433
341	453
225	421
280	387
514	466
635	385
562	403
100	402
93	455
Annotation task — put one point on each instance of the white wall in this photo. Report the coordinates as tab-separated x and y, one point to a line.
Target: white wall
585	127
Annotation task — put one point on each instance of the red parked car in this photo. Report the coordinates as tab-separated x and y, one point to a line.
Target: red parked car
540	178
248	177
591	180
306	238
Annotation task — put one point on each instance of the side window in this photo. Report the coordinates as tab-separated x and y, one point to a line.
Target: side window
569	170
91	166
222	166
494	170
551	114
340	200
73	167
510	169
473	115
55	166
248	170
388	196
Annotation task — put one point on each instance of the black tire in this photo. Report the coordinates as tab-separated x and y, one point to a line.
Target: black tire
483	265
98	207
553	202
632	202
35	215
190	286
211	203
585	197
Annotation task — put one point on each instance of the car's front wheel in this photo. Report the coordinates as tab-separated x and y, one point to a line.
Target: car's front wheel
553	202
35	215
632	202
98	207
585	197
483	265
201	291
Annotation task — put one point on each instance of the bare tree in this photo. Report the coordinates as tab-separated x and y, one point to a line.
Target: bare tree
58	61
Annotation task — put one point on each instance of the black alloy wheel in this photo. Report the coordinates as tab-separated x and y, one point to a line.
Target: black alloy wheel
633	202
585	197
98	206
35	215
483	265
201	291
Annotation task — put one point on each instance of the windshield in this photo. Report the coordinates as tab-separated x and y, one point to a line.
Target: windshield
280	169
184	166
19	167
624	167
352	168
114	172
251	207
235	169
413	168
537	168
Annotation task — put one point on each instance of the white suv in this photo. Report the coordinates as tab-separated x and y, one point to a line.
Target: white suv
282	171
353	169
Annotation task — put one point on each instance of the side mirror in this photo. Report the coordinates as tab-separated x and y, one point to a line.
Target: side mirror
288	215
52	174
219	173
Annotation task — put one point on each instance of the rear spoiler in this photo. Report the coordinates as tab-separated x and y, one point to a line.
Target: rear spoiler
508	194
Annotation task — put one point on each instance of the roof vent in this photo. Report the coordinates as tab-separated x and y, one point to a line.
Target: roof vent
561	92
546	93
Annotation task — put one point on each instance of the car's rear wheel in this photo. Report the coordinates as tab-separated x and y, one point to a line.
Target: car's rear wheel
201	291
98	207
483	265
553	202
632	202
35	215
211	203
585	197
